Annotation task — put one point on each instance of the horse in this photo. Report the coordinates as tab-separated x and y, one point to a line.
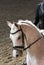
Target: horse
27	37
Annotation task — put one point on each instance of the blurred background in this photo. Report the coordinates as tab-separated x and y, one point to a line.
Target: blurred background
13	10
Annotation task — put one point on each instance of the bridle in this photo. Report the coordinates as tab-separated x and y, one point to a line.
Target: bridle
24	37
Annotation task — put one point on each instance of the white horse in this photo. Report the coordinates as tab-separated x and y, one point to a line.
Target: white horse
26	36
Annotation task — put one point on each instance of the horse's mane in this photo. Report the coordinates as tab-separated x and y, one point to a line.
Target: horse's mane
27	22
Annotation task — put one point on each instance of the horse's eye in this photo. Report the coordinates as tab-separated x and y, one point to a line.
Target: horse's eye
19	37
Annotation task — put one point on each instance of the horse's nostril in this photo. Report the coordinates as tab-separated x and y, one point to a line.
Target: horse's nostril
17	55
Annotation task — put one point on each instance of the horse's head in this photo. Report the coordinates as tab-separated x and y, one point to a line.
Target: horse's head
16	37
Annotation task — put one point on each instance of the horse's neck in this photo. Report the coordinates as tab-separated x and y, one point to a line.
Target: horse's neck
31	33
37	49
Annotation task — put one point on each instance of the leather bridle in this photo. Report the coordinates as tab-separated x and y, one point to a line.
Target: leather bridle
24	37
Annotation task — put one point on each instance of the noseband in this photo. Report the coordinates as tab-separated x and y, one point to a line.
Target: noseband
23	36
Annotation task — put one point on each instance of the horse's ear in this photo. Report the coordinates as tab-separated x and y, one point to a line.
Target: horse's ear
9	24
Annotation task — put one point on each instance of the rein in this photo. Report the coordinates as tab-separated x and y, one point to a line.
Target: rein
32	43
